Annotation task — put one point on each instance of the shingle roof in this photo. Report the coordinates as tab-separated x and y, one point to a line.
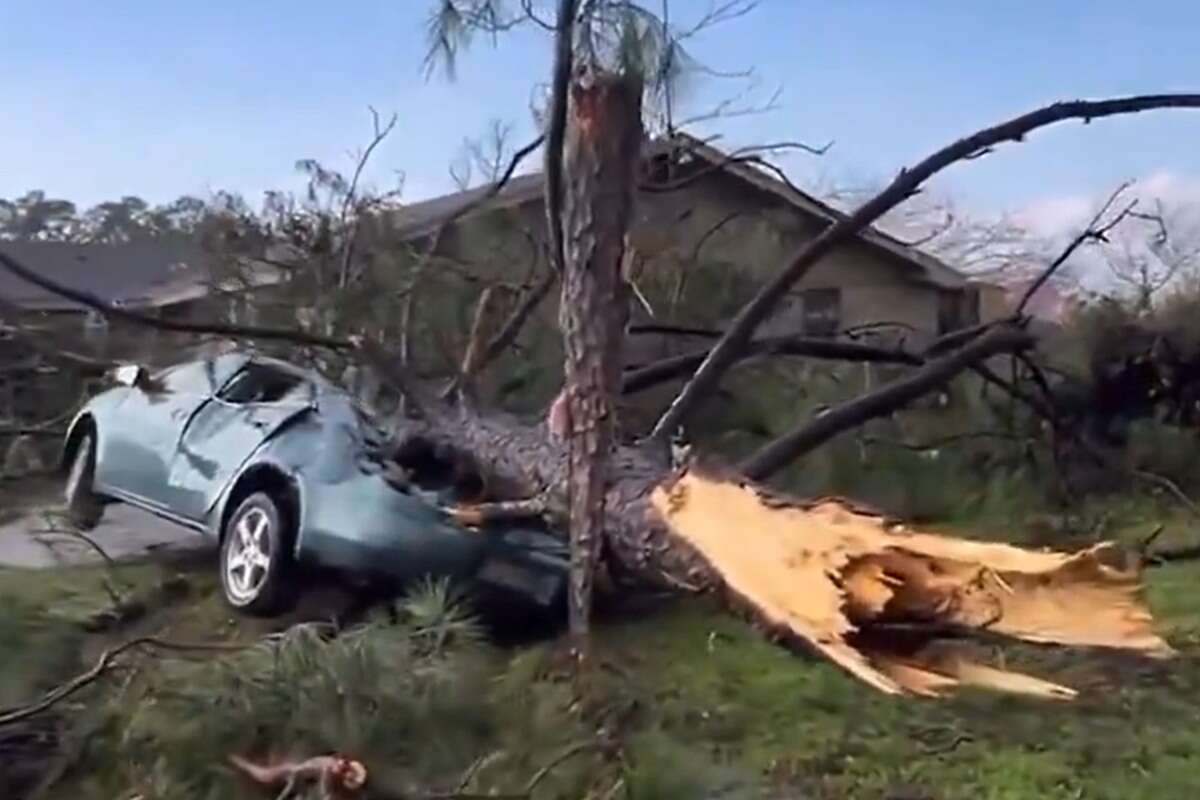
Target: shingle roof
422	218
128	274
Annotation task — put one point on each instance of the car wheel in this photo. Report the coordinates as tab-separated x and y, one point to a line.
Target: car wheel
256	557
84	506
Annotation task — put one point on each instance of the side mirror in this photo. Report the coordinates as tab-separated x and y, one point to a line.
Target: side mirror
129	375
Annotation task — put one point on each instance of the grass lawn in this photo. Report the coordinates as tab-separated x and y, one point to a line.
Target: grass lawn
700	705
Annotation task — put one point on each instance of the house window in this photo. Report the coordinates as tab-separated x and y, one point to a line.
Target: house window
822	311
972	314
957	309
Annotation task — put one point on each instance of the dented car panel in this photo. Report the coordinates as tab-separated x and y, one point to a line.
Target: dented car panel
190	444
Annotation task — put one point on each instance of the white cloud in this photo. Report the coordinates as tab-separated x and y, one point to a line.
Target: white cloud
1051	216
1059	217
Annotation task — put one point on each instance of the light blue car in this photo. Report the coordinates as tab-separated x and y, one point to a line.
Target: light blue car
285	470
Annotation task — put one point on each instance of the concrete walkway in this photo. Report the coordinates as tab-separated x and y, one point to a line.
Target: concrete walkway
123	533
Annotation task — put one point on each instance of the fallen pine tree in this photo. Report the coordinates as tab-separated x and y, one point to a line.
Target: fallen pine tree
874	599
885	603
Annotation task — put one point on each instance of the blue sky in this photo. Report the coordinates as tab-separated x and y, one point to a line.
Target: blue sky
159	99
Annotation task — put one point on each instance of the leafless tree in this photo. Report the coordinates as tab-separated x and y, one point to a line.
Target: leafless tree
1146	258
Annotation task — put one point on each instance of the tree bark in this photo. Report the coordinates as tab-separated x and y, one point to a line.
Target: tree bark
821	575
603	144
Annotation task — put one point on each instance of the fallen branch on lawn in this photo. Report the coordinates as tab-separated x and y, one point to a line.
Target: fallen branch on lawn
336	776
109	660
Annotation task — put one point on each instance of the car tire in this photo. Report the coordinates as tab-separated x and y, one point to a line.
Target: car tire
256	557
84	507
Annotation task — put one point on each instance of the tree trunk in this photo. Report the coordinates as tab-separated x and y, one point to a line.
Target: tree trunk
876	600
603	143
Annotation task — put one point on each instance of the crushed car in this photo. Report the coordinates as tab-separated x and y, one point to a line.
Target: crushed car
286	471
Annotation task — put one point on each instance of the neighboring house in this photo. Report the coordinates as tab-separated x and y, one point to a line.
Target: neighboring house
169	279
699	206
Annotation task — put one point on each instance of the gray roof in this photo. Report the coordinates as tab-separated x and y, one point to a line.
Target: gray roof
116	273
424	217
421	218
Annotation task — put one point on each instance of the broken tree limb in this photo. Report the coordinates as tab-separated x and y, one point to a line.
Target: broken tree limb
478	514
667	369
782	451
337	777
435	237
107	661
483	309
845	228
509	330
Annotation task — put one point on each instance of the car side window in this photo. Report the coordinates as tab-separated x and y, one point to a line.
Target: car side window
260	383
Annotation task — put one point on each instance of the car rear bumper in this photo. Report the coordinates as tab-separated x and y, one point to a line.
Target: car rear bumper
536	580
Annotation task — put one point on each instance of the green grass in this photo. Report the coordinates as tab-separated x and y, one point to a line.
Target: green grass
699	703
694	702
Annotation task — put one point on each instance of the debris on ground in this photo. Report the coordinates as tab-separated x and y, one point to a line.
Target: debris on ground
337	777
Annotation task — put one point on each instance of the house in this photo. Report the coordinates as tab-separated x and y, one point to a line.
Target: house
710	228
698	203
167	278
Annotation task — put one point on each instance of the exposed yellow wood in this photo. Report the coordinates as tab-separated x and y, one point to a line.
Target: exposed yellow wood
836	577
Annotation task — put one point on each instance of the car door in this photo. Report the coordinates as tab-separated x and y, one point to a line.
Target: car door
139	440
226	430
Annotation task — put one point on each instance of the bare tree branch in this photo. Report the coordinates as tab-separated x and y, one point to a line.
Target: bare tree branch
380	133
106	662
1094	231
780	452
406	312
642	378
483	308
91	301
742	155
902	187
512	327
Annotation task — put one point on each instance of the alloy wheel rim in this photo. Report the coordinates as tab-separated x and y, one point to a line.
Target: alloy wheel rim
248	556
76	477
